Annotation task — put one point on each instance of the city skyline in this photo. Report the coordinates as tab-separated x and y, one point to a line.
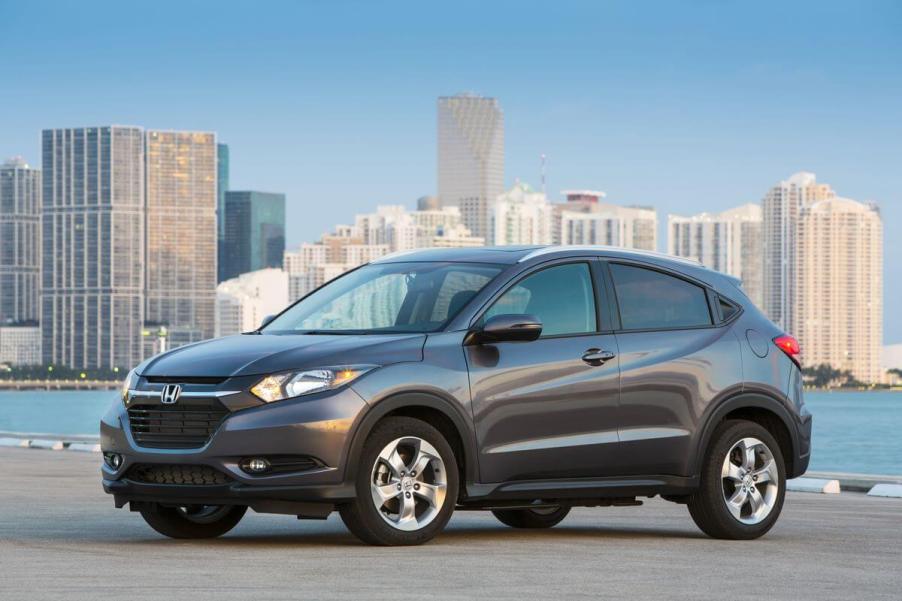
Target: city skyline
690	108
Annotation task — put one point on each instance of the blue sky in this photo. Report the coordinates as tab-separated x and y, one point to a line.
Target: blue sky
687	106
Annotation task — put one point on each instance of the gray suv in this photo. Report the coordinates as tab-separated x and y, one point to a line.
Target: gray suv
521	380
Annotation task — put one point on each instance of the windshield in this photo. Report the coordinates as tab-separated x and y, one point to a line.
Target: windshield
387	298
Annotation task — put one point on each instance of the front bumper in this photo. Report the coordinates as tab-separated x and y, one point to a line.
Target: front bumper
319	426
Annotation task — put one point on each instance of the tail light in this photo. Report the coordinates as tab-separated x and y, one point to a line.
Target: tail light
790	346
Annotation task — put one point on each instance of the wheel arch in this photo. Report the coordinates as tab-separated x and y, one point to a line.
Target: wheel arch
759	408
434	410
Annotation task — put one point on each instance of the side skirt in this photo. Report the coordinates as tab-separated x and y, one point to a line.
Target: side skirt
580	489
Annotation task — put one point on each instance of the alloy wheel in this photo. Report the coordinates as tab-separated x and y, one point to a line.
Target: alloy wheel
750	481
408	483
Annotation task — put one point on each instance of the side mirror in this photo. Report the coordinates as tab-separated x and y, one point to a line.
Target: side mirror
508	328
266	321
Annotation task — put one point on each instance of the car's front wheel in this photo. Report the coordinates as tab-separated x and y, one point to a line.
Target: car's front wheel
193	521
406	484
743	482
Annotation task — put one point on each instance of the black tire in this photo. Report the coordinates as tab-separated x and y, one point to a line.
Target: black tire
364	519
531	518
708	506
193	521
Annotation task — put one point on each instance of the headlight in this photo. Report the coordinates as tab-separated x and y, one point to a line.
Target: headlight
131	380
277	387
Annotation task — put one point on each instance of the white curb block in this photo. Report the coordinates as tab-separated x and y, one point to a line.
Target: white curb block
53	445
84	447
13	442
829	487
886	490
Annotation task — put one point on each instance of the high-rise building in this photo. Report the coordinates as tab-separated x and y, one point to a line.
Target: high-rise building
400	229
255	232
838	307
243	302
522	216
729	242
222	186
607	224
20	344
20	251
93	222
470	158
780	208
181	175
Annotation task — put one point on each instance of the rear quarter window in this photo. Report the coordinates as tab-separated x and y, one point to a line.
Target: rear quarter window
650	299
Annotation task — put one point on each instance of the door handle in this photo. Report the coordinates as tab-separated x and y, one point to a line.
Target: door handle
595	356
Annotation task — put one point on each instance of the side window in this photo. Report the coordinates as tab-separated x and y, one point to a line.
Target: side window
650	299
727	308
561	297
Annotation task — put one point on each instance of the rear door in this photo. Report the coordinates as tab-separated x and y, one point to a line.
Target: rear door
674	360
547	409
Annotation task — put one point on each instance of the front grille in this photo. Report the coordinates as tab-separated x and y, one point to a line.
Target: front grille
202	475
185	425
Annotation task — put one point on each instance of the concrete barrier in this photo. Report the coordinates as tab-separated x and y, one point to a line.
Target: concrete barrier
886	490
55	442
53	445
84	447
13	442
856	482
818	485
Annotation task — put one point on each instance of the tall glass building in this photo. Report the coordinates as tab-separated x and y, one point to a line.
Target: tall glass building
181	176
255	232
20	219
92	297
471	158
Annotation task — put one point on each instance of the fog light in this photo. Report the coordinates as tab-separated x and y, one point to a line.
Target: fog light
113	460
255	465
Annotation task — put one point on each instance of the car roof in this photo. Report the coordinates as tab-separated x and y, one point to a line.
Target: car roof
521	254
511	255
505	255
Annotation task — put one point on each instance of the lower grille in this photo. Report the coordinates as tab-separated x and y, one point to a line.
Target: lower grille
202	475
186	425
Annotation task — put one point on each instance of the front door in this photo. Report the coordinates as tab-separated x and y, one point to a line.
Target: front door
548	408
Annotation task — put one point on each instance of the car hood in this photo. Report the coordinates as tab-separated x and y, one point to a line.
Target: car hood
254	354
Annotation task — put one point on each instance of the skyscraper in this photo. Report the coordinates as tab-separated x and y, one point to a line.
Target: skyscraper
470	158
839	302
729	242
181	176
255	232
92	297
222	186
20	256
781	207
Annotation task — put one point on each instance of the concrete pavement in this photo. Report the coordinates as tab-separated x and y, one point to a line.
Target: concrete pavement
61	538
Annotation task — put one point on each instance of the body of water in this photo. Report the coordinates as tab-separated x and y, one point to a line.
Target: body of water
853	431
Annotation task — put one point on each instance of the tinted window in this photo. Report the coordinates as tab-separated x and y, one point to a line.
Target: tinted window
727	309
650	300
561	297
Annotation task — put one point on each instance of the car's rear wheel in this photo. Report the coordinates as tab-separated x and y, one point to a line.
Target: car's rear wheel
193	521
743	482
406	485
533	517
